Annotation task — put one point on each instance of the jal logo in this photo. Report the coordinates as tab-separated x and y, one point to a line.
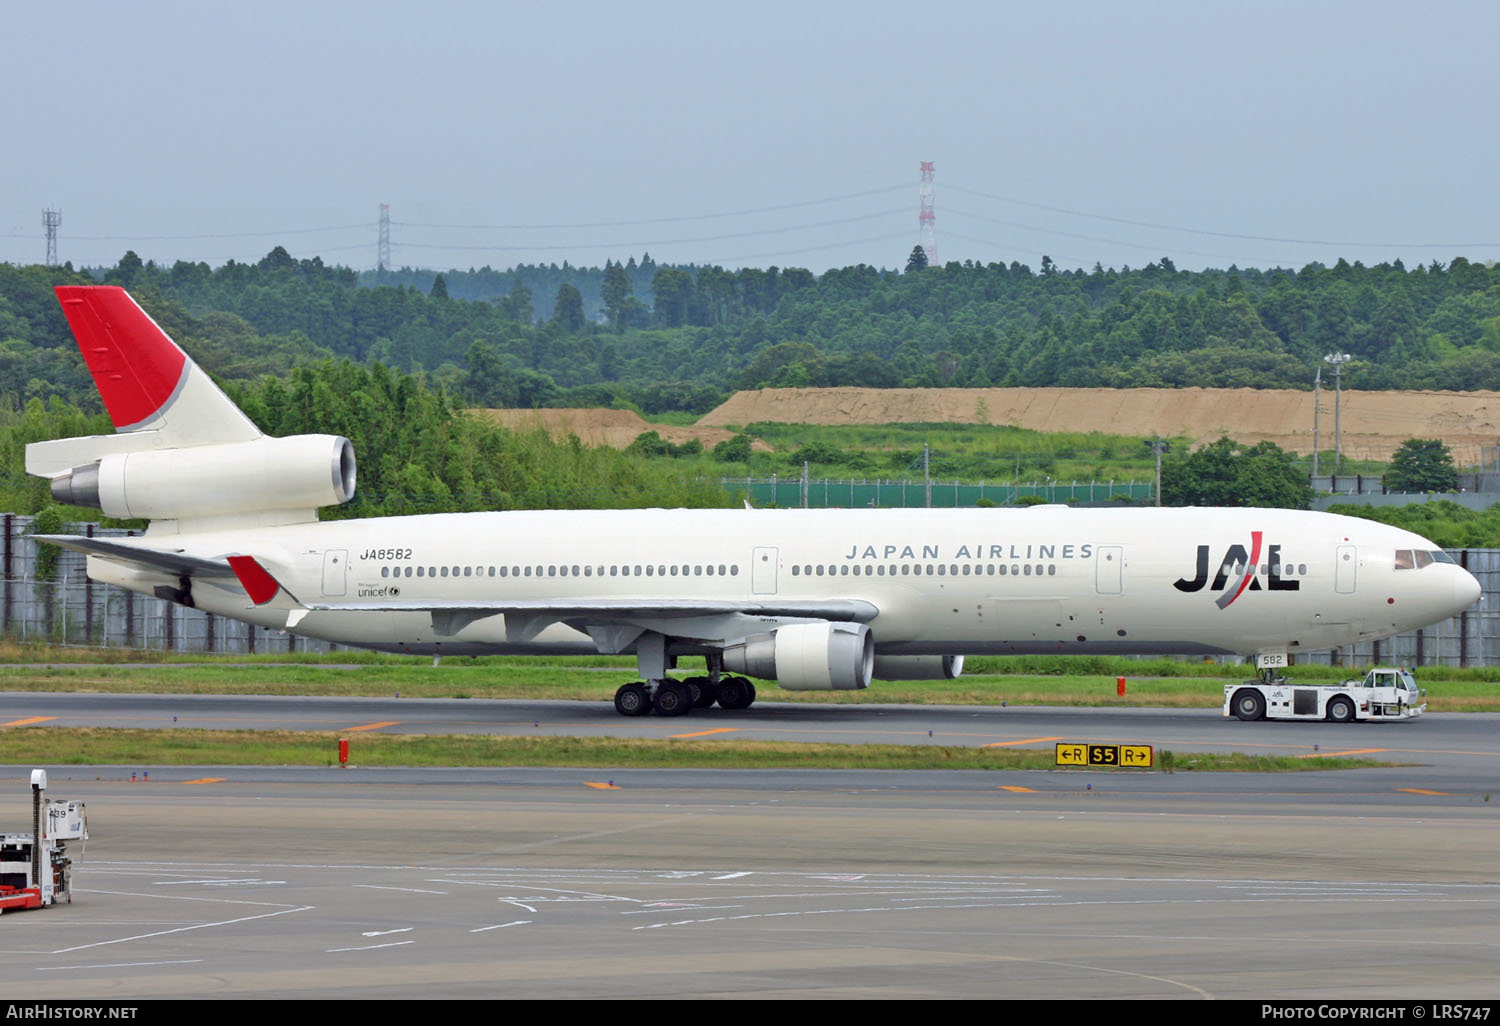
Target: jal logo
1236	572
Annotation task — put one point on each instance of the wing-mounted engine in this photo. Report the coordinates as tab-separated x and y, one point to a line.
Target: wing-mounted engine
808	656
301	472
918	667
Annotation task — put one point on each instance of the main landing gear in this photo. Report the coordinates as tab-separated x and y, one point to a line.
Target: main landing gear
679	697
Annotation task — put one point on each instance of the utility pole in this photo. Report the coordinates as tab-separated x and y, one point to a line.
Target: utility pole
1317	404
927	472
1158	446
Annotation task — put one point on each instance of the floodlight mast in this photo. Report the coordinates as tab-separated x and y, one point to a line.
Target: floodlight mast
1338	360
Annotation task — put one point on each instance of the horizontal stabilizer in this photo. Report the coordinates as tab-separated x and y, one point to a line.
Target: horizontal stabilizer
172	561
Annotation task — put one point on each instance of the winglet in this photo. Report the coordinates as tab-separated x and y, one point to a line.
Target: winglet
135	365
256	580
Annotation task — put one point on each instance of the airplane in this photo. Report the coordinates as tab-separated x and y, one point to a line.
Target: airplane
811	599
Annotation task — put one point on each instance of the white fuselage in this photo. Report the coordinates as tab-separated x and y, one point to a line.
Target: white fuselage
944	582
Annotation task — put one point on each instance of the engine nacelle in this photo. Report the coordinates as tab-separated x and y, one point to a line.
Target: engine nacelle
808	656
295	473
918	667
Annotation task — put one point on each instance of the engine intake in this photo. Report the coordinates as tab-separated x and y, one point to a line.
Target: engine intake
808	656
299	472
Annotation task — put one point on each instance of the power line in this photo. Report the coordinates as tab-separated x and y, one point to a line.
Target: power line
506	247
655	220
220	235
1151	247
1221	235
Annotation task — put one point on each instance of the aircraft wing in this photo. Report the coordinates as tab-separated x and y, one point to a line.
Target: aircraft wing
853	610
614	624
172	561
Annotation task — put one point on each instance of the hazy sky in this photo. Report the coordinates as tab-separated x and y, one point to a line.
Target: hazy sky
1264	134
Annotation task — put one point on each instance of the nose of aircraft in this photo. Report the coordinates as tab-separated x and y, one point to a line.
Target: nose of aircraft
1466	590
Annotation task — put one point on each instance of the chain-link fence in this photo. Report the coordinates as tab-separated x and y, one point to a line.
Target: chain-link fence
69	609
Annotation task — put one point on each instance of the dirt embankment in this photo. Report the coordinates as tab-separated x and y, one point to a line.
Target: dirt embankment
615	428
1373	424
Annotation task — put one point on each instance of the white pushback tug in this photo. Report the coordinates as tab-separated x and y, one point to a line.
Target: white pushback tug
35	868
1385	693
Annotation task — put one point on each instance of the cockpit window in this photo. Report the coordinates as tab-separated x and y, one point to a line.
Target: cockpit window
1416	559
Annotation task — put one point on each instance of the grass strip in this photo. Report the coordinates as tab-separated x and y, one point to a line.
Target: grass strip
553	679
59	746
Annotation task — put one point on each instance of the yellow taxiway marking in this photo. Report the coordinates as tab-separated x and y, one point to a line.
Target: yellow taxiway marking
371	726
207	780
1017	789
28	721
602	785
705	733
1422	790
1028	741
1339	755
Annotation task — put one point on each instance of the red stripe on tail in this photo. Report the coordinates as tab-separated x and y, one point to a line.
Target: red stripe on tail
258	584
135	365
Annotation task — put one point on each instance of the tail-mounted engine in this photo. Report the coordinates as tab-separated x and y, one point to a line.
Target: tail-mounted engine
295	473
808	656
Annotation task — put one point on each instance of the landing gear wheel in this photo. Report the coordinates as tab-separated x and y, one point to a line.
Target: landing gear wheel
1340	710
673	698
1249	705
705	694
735	693
633	700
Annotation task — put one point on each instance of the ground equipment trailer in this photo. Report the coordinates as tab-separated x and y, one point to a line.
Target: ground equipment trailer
1385	693
35	868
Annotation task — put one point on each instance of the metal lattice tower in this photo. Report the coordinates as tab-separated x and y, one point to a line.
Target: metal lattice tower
926	228
51	220
383	250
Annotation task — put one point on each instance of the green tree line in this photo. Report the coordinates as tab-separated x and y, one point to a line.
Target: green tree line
419	451
671	338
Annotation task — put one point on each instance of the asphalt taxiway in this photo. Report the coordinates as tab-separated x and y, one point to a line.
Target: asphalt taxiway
363	883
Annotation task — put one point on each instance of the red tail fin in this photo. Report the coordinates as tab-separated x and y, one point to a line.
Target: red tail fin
136	367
